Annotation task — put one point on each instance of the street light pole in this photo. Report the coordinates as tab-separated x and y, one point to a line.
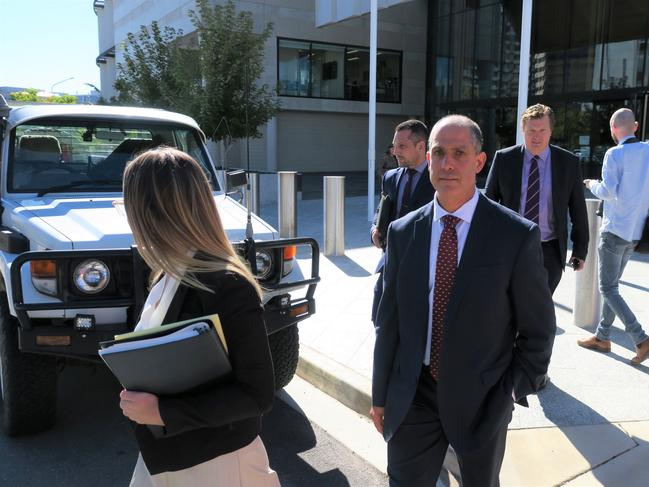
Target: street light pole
59	82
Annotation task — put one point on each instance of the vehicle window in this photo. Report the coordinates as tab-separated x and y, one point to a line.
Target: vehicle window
89	158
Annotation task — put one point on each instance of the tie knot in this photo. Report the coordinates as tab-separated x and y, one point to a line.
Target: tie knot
450	221
411	172
536	158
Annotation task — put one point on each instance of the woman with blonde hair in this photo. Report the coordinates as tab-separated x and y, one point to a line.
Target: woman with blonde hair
208	437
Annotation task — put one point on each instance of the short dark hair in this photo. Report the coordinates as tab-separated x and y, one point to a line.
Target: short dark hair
418	130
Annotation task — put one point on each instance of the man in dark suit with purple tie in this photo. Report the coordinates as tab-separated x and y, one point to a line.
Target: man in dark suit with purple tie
466	323
543	183
407	186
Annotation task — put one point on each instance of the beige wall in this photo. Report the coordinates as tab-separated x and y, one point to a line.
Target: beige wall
336	130
321	142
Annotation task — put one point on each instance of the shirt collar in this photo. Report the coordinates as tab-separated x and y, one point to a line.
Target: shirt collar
543	156
625	139
464	212
420	168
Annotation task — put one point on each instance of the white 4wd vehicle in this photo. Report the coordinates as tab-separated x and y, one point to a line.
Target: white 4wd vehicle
70	276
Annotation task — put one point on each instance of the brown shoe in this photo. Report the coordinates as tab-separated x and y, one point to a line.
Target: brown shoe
594	343
641	352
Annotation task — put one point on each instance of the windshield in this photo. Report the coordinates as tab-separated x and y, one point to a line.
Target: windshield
89	157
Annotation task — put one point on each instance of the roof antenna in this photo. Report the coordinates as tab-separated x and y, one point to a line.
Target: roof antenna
251	254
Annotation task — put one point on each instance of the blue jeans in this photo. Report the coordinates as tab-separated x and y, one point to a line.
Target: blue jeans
614	253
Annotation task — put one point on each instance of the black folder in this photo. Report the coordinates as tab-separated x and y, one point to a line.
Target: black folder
383	217
170	359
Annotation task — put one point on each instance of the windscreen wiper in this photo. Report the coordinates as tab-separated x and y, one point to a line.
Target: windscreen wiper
78	184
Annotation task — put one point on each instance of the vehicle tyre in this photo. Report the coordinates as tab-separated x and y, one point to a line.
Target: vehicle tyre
28	382
285	350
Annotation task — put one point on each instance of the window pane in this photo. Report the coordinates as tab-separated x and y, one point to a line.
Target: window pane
388	84
443	55
463	68
357	74
623	64
488	52
293	68
511	50
327	71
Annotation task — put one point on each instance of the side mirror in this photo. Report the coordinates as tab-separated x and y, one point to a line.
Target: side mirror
235	179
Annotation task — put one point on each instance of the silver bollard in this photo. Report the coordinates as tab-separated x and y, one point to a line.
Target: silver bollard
588	301
287	203
334	215
252	196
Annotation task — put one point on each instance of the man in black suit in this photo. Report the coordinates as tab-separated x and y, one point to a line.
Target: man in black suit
408	186
466	323
543	183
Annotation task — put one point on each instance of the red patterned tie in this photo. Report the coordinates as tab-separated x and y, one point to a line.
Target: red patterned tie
444	278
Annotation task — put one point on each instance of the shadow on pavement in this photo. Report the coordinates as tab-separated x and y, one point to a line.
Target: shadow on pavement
348	266
289	450
635	286
91	443
565	412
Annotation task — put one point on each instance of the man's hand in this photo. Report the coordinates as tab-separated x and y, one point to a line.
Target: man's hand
140	407
376	238
376	413
588	182
577	263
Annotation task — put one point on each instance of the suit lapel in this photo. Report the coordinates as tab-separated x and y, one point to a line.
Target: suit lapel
471	255
517	178
420	281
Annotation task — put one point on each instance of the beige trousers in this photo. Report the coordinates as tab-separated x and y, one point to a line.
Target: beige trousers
245	467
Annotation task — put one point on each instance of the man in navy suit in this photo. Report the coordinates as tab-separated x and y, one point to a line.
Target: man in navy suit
543	183
465	325
408	186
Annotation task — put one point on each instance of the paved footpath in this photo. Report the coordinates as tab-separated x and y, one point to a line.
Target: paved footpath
588	427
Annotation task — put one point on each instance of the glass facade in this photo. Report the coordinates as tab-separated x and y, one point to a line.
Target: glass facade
317	70
588	58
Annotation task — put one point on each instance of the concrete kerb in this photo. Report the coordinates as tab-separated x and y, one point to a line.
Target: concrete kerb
340	382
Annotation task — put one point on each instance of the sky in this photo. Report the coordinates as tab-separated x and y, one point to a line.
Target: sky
43	42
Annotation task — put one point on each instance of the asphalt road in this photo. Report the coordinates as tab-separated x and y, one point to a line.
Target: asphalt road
92	444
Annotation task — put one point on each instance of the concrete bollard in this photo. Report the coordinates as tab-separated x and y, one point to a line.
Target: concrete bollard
287	203
252	196
334	215
588	300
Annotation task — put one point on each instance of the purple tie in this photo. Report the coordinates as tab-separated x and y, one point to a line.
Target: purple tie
533	192
407	190
446	264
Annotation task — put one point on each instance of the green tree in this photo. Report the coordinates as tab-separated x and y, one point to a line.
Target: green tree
214	79
31	95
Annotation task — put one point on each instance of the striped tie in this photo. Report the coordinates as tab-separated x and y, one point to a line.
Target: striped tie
533	192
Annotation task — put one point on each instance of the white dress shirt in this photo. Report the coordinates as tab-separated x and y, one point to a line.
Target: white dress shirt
624	189
465	214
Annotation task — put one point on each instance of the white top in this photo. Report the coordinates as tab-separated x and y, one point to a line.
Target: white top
624	189
465	214
157	303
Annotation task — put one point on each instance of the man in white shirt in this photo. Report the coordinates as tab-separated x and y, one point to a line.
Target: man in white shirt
466	323
625	191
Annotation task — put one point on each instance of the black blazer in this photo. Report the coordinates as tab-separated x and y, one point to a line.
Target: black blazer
423	192
498	332
223	418
504	187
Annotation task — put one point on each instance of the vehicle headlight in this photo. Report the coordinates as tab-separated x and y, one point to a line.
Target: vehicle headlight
91	276
264	264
